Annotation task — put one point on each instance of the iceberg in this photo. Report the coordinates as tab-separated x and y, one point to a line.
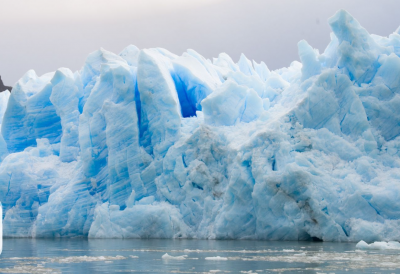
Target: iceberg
149	144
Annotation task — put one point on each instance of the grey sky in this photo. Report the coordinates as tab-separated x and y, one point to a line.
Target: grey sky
47	34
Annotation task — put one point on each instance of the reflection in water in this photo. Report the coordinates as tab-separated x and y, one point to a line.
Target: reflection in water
189	256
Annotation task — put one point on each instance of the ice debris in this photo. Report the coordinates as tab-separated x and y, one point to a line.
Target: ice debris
149	144
166	256
216	258
378	245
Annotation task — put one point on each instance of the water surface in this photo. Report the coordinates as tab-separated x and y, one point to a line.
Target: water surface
194	256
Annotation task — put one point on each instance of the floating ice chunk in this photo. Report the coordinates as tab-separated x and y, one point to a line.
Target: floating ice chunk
288	250
169	257
216	258
79	259
378	245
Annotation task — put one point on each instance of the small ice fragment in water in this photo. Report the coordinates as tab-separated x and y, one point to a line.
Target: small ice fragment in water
77	259
217	258
169	257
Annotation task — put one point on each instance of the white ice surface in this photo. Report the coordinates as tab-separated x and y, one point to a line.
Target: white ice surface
392	245
169	257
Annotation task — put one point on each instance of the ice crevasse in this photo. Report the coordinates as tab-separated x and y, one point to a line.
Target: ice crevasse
148	144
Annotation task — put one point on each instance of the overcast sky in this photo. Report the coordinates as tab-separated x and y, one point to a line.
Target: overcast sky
47	34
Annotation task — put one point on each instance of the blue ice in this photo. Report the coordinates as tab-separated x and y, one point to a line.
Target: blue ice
147	144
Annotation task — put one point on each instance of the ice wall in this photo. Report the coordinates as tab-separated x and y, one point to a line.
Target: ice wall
150	144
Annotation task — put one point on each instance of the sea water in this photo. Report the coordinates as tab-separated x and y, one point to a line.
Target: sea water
190	256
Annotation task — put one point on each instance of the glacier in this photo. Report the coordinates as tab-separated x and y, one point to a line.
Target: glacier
149	144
